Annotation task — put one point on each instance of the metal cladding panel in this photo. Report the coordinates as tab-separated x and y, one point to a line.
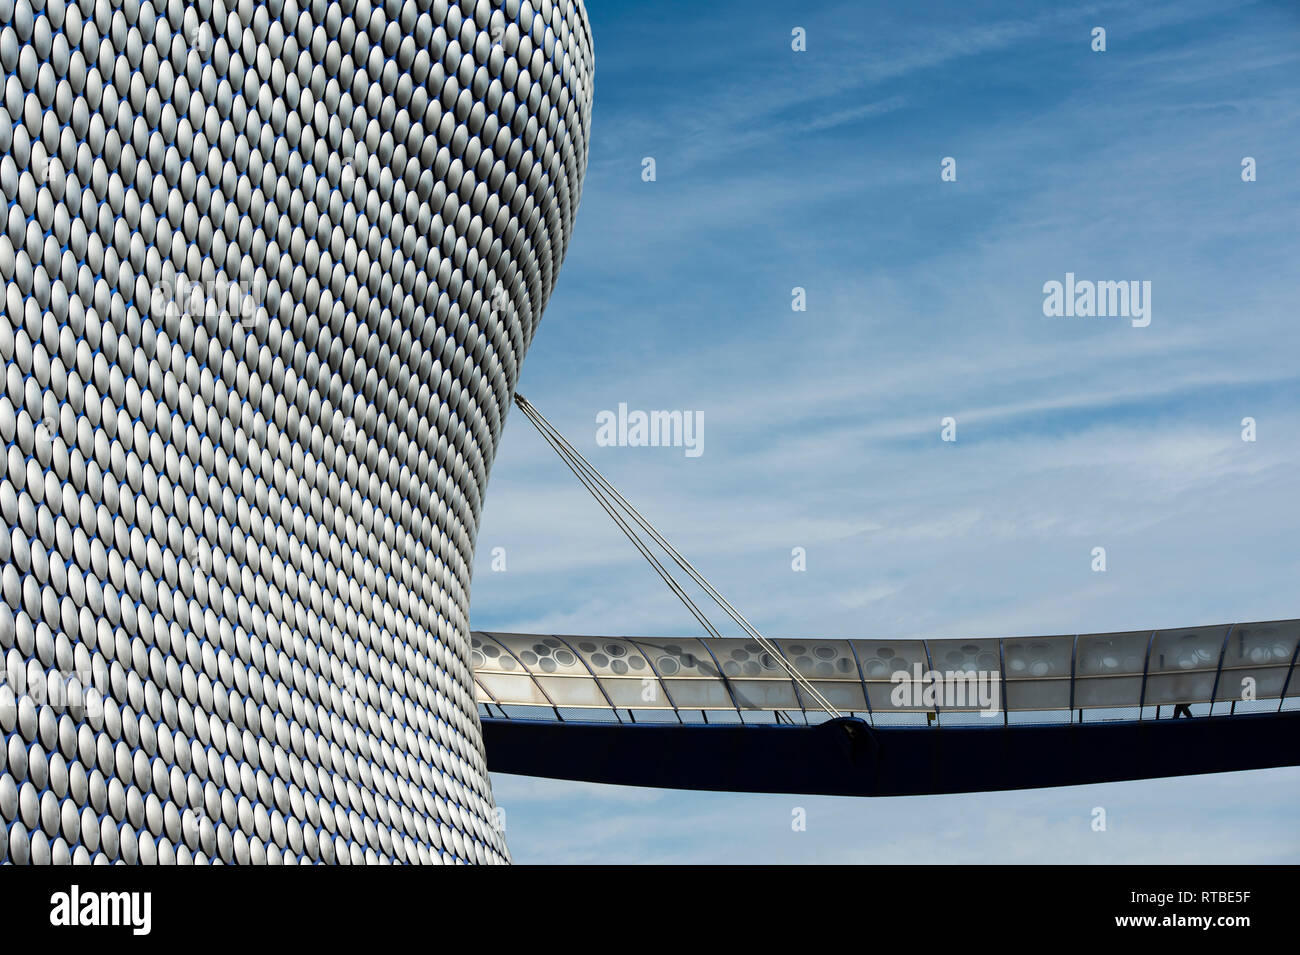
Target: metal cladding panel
270	270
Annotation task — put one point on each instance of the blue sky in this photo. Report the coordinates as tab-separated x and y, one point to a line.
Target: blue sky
821	169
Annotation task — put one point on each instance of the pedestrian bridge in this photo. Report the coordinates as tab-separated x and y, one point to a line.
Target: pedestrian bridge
904	716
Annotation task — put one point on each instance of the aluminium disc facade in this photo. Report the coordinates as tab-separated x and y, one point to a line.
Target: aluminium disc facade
270	270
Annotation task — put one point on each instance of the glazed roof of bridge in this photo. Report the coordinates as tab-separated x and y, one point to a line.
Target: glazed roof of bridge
689	678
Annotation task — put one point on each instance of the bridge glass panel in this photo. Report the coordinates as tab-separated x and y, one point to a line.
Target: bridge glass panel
1116	675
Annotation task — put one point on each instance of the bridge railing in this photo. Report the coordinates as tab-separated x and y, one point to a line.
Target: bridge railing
1193	671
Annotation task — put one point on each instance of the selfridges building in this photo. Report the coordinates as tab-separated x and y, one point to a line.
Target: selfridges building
270	272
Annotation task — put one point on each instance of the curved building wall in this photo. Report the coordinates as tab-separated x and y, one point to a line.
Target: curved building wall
270	270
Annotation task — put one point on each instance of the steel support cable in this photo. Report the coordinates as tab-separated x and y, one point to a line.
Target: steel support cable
663	572
573	458
600	492
645	551
576	463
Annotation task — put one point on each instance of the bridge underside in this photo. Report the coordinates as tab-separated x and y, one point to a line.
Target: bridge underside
833	758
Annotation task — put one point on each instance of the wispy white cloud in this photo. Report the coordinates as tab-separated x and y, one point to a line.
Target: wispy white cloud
594	824
853	113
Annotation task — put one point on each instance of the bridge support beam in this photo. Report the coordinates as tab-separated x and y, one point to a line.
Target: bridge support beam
836	758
